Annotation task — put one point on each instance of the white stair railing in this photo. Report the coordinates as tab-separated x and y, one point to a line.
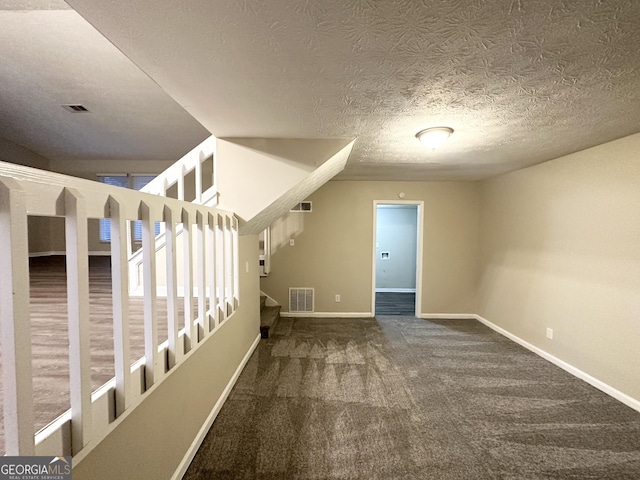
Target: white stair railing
209	239
191	179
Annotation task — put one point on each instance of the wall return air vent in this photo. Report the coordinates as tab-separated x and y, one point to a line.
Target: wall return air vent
300	300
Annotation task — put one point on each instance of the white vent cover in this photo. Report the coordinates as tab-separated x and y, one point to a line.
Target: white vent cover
300	300
305	206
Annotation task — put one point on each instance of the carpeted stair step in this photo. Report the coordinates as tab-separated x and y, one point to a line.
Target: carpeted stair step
263	300
268	318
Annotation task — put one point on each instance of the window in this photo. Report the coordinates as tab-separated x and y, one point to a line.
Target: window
135	182
305	206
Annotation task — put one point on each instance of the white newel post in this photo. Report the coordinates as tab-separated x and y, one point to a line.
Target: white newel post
15	323
120	301
78	311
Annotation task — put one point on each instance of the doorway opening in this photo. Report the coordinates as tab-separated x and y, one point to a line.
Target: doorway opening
397	257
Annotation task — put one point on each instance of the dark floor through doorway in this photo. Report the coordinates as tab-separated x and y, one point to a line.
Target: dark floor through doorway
395	303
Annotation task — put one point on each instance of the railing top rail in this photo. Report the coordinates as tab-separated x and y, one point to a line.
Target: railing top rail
44	192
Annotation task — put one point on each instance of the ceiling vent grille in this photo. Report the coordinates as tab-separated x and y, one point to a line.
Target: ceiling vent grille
75	108
300	300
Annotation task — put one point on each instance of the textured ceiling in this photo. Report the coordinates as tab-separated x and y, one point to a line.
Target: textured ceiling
520	81
51	56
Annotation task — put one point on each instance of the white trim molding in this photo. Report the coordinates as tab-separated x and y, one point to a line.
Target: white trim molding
270	302
448	316
327	314
419	204
195	445
600	385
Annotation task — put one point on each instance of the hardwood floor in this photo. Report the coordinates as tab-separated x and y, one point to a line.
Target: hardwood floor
50	344
395	303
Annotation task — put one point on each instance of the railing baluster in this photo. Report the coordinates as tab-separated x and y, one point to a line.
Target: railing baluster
236	262
174	353
212	159
181	184
228	245
78	310
150	295
15	323
198	173
189	324
213	304
202	283
222	279
120	301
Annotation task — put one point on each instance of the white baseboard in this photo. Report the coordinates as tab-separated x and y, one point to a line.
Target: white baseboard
395	290
448	316
328	314
600	385
195	445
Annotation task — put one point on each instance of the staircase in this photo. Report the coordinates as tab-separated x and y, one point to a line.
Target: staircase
193	261
269	316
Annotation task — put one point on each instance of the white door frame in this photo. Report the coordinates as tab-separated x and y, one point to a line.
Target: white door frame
419	249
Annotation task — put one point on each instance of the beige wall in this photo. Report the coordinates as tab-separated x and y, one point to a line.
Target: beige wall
39	227
251	177
561	249
152	441
333	246
47	234
13	153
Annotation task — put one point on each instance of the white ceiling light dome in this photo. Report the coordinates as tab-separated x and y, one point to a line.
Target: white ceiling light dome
434	137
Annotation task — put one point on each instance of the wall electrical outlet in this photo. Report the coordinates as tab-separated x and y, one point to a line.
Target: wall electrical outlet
550	333
292	242
337	298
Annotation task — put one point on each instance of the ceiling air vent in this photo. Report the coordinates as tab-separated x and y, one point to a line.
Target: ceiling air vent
302	207
75	108
300	300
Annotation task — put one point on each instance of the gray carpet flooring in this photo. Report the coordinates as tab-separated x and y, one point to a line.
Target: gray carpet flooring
406	398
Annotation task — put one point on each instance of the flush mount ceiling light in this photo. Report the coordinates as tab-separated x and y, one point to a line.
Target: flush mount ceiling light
434	137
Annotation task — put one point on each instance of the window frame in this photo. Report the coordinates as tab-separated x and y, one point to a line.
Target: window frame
104	233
